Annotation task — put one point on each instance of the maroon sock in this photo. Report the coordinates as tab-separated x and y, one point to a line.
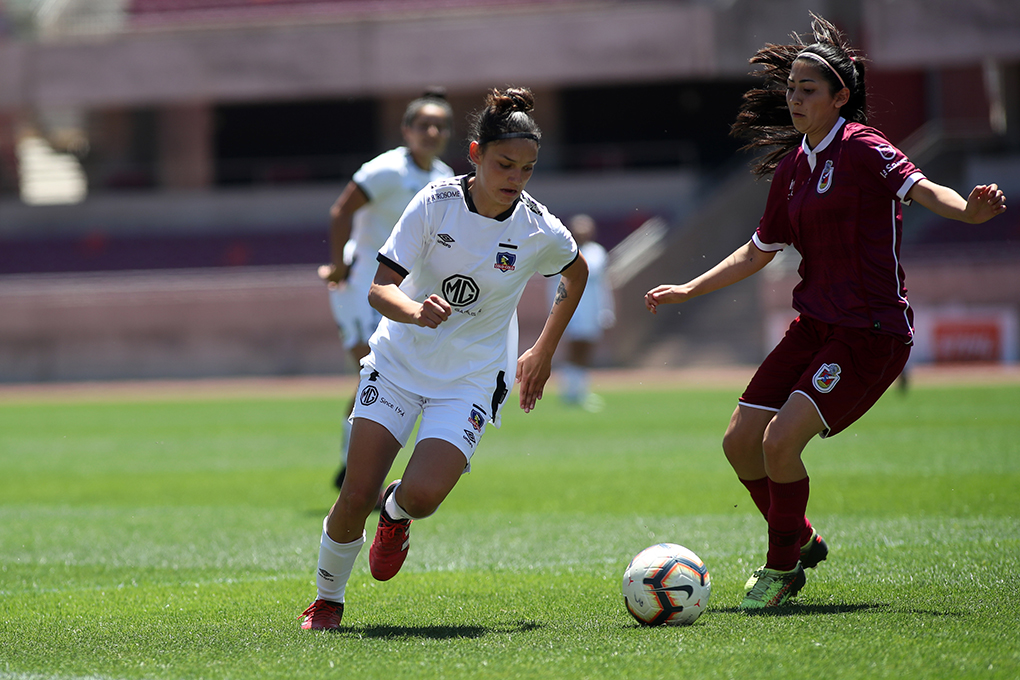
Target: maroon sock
786	523
759	490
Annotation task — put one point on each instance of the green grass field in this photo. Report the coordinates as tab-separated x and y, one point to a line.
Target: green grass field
173	538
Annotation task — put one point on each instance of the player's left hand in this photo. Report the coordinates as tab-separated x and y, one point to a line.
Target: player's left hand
533	371
984	203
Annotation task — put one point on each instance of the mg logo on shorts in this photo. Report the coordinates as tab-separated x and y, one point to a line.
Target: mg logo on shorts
460	290
369	395
826	377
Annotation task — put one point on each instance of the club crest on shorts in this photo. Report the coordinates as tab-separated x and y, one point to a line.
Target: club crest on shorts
826	377
477	420
825	181
505	261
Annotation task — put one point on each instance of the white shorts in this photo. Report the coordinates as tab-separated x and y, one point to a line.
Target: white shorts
459	421
355	318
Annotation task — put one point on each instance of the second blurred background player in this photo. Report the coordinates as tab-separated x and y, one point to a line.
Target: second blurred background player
363	216
595	313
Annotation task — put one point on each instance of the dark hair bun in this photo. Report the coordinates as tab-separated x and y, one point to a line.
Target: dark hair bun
434	92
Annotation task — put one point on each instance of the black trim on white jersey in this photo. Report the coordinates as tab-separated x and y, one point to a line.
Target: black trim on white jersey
565	268
502	217
382	259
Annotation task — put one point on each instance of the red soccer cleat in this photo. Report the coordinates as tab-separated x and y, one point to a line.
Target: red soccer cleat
389	549
322	615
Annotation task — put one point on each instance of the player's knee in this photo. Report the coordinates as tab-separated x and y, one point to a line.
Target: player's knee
780	451
740	443
417	500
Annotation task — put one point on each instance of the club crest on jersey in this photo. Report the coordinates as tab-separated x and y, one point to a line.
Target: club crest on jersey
477	420
826	378
505	261
825	181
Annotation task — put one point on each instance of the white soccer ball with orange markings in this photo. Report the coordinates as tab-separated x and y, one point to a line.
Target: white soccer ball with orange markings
666	584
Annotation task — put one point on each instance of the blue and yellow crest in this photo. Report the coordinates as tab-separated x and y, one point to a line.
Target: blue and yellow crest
505	261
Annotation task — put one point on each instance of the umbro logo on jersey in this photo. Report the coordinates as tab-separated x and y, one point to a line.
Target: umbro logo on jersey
445	240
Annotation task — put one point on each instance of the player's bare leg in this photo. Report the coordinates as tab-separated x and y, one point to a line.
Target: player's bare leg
434	469
373	450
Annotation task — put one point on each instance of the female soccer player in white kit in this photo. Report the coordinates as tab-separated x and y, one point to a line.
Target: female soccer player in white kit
448	283
363	216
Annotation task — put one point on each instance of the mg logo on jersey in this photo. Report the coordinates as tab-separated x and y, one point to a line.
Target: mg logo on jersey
460	290
505	261
825	181
826	378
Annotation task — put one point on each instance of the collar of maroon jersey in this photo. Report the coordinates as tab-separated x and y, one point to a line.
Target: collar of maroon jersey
812	154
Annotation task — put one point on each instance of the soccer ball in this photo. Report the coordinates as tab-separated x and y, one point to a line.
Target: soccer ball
666	583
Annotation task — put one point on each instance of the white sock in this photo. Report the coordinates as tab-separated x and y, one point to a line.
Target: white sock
393	509
573	378
336	561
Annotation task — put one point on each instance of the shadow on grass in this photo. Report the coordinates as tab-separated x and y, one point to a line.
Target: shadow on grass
806	609
828	609
438	632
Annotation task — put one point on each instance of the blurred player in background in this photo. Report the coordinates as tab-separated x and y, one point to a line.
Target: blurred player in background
595	313
835	196
363	216
448	283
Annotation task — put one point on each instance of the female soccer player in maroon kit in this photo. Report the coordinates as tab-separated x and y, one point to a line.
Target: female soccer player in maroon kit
835	197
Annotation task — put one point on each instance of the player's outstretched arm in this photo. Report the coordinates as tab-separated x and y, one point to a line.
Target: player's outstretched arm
743	262
984	202
535	366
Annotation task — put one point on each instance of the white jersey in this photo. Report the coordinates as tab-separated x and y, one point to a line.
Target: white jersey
480	265
390	181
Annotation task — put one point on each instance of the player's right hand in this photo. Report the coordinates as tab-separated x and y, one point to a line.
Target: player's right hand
434	311
663	295
333	275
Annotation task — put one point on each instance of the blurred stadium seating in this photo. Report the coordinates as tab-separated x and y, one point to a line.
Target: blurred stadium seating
212	136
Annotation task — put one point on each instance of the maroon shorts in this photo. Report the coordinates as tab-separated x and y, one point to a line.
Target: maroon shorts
843	371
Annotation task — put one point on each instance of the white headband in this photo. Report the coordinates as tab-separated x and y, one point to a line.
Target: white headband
818	57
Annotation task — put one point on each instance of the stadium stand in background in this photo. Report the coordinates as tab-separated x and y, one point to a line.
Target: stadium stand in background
198	144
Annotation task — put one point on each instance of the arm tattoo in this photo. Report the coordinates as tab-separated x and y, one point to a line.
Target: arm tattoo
561	294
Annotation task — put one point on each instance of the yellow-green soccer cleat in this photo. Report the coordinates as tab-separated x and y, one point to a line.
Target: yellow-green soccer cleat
773	588
811	553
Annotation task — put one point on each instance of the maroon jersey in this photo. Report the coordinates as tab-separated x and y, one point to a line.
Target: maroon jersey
839	206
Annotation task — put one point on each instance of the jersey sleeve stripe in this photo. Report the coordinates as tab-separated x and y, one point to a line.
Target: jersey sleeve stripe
908	183
566	267
382	259
766	247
